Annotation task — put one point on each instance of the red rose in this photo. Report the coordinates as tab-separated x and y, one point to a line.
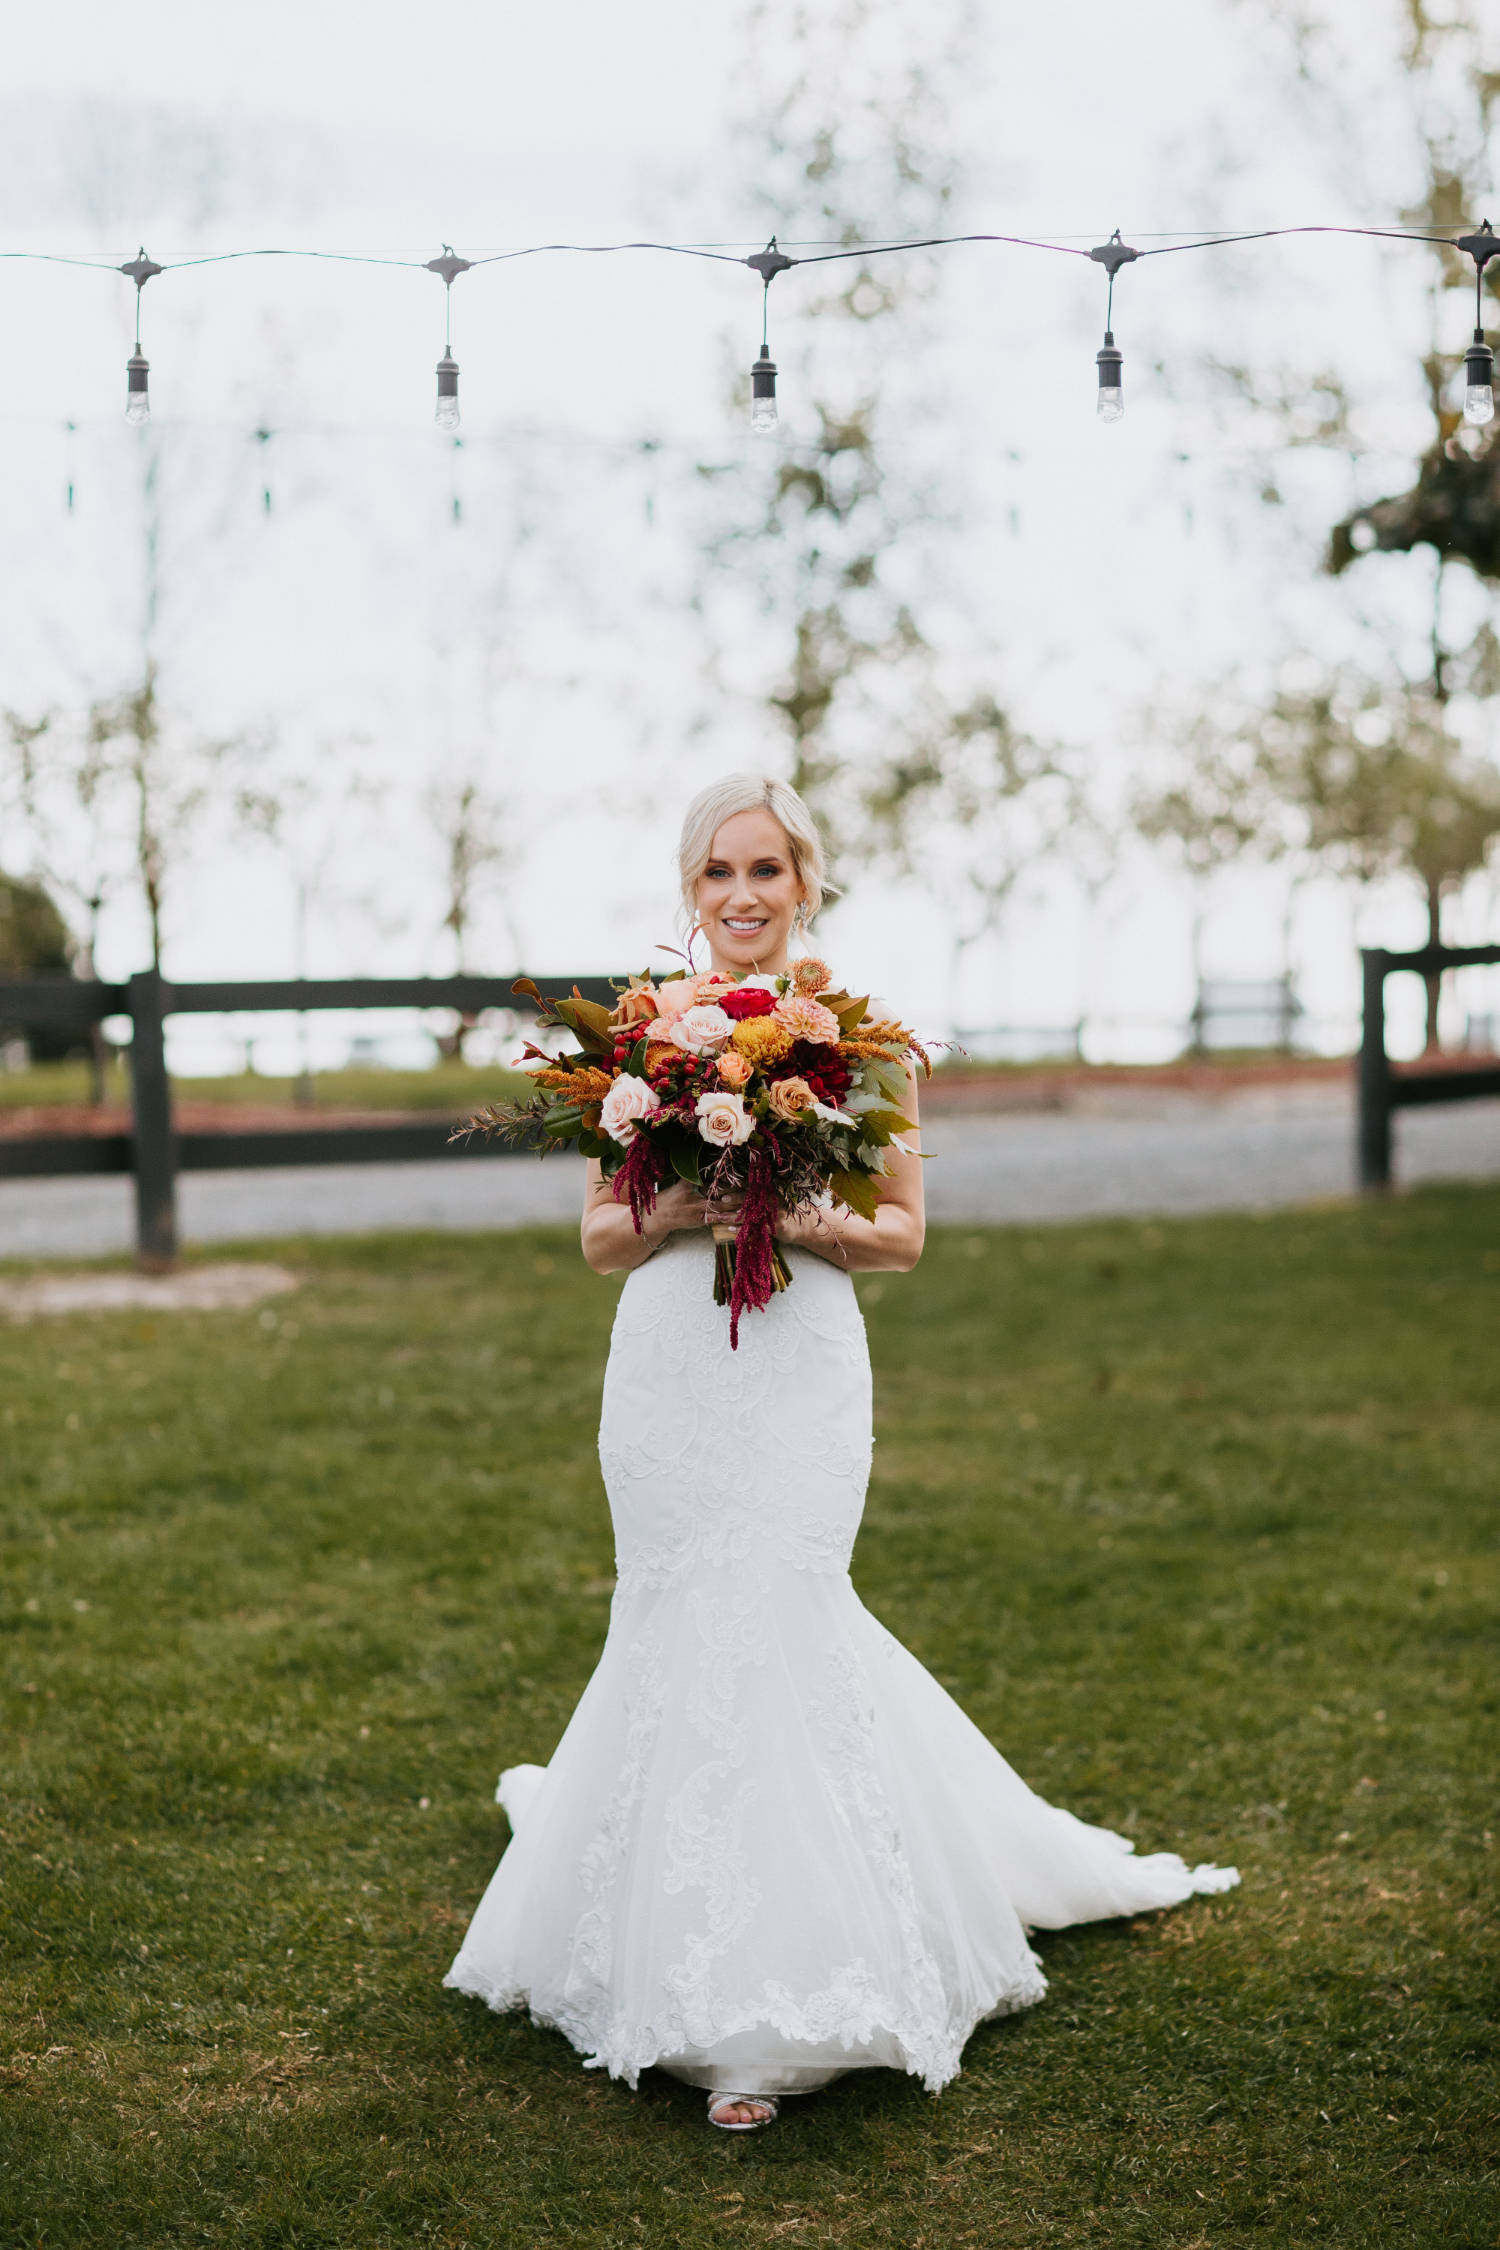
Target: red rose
746	1000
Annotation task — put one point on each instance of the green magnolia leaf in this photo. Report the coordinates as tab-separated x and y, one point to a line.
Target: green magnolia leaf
634	1065
856	1191
849	1012
591	1022
685	1162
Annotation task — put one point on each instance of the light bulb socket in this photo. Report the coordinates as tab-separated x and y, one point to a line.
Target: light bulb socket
137	374
1110	361
1479	363
763	376
447	376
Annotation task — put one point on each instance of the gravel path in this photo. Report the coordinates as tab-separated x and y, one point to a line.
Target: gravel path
1124	1154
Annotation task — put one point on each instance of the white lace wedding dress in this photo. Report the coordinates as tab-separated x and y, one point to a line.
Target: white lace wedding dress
769	1847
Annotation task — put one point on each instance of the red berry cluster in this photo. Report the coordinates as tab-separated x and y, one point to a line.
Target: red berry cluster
680	1077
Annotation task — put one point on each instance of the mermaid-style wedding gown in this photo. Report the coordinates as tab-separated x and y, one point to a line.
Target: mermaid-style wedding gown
769	1847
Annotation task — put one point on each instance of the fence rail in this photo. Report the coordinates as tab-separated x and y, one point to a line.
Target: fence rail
155	1152
1383	1089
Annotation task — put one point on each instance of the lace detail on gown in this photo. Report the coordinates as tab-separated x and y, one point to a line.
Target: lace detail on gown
769	1847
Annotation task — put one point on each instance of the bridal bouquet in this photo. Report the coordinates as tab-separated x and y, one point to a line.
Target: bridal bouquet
775	1087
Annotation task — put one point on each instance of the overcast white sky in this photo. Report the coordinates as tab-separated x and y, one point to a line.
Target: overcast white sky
545	641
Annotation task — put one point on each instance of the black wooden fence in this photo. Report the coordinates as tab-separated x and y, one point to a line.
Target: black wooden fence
1383	1090
155	1152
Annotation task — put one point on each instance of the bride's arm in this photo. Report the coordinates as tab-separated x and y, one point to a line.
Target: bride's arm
890	1242
610	1242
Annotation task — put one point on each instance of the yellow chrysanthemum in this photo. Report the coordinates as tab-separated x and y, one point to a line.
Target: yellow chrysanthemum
762	1041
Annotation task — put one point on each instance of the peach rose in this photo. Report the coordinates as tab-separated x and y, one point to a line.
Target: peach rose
637	1005
723	1119
808	1019
679	994
734	1069
702	1029
790	1098
627	1102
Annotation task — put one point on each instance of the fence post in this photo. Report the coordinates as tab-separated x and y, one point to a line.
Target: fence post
1374	1079
155	1151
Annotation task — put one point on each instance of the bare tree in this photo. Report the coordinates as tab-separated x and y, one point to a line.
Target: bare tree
1356	776
170	777
470	824
828	551
58	786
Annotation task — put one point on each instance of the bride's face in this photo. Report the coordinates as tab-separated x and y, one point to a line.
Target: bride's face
748	894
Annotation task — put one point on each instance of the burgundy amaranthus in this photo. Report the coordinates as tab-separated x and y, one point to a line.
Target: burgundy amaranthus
754	1276
638	1179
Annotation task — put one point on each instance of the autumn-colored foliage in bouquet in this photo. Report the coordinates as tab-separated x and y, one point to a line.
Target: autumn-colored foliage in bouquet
776	1087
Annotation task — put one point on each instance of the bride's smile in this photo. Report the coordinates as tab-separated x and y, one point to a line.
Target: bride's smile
749	894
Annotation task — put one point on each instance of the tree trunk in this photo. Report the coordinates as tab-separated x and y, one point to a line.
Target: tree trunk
1434	982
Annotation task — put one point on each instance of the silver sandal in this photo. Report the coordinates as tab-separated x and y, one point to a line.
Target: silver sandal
767	2102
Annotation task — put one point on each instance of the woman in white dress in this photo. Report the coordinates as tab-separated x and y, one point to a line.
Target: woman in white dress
769	1848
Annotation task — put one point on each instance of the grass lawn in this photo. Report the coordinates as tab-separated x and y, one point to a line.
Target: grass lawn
451	1087
1198	1521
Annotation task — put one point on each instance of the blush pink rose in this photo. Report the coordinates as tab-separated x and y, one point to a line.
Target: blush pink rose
702	1030
679	994
808	1019
623	1107
723	1119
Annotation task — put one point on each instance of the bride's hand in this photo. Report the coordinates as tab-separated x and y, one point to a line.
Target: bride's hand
723	1210
678	1207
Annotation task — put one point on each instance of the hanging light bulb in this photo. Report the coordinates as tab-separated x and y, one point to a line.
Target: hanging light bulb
768	263
1479	360
137	390
1110	362
1479	382
140	269
1109	359
447	268
763	415
447	416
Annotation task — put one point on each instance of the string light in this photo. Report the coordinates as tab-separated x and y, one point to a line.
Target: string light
1109	359
140	270
446	414
768	263
1479	360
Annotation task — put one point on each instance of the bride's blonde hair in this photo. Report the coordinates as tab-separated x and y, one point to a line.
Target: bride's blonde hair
752	792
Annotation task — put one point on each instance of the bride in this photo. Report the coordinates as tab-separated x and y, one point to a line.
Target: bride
769	1848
